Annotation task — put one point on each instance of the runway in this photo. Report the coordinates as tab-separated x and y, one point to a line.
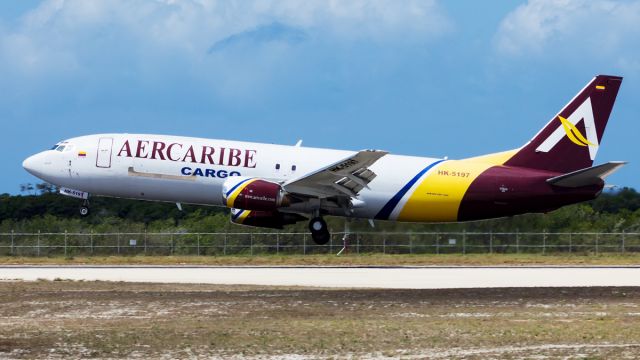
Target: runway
340	277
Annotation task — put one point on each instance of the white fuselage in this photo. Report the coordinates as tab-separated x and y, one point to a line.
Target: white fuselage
193	170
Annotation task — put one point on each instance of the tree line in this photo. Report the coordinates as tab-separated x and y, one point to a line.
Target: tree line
41	208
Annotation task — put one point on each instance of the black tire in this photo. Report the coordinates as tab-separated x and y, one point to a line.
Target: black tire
321	238
319	231
84	211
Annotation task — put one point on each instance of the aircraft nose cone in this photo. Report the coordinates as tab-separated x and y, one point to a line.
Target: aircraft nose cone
29	163
34	164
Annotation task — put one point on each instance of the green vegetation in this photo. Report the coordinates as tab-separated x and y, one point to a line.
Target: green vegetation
48	211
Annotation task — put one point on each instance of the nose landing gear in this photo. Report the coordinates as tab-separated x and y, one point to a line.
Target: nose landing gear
319	230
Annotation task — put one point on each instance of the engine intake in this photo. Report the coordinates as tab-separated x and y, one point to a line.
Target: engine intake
254	194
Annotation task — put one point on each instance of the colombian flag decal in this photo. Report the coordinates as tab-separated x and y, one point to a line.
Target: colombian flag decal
82	153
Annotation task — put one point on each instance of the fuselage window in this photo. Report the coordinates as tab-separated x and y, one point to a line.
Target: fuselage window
277	166
60	148
293	168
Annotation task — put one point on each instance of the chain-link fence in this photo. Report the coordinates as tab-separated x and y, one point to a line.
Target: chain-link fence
217	244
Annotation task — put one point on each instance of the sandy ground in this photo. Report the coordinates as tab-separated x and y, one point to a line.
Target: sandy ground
63	319
341	277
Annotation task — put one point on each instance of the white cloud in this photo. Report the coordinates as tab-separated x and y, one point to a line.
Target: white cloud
67	35
587	27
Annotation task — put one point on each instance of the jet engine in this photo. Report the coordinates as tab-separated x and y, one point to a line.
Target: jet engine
254	194
264	219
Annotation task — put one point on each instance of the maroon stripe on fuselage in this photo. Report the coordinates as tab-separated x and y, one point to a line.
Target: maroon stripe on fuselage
504	191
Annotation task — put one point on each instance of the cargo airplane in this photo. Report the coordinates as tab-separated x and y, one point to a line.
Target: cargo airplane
271	186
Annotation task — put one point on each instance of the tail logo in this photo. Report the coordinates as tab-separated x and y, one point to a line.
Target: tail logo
574	134
568	128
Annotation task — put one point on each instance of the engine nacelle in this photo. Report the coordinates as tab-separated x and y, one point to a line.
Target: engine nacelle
264	219
253	194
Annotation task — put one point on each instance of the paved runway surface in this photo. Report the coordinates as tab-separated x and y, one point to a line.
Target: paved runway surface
341	277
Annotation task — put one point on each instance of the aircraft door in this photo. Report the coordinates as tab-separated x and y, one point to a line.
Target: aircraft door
103	158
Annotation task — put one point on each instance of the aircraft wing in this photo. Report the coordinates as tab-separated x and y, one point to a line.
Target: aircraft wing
345	178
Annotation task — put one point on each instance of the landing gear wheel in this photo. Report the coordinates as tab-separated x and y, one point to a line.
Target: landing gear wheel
84	211
319	231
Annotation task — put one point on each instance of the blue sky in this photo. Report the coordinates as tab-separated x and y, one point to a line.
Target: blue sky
434	78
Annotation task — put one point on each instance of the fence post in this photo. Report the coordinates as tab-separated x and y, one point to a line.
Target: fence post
91	241
304	244
224	244
491	242
198	244
12	242
410	244
384	242
438	244
251	245
118	243
544	242
517	241
65	243
331	242
38	244
464	242
597	243
570	241
145	241
622	247
277	243
171	247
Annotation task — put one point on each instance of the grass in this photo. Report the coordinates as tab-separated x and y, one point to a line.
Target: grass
345	260
121	320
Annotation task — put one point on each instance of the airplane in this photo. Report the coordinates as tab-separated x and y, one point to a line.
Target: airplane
272	186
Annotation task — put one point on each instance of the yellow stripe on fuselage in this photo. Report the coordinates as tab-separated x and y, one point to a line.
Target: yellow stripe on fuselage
232	198
495	158
438	197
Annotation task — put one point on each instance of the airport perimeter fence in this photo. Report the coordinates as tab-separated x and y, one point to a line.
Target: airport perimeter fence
219	244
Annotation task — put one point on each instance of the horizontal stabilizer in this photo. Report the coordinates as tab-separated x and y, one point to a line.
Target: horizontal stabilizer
585	177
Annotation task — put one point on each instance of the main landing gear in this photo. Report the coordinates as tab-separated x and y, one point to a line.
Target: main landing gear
319	230
84	209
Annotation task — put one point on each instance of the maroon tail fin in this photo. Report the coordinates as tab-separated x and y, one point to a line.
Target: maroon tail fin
571	139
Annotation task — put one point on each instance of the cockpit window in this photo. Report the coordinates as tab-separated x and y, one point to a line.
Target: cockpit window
61	146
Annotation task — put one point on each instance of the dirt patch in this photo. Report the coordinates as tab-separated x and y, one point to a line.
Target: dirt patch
124	320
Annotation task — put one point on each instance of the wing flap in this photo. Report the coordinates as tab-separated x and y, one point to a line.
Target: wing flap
346	177
588	176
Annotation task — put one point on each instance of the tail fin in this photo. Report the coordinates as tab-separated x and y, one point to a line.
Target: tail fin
570	141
